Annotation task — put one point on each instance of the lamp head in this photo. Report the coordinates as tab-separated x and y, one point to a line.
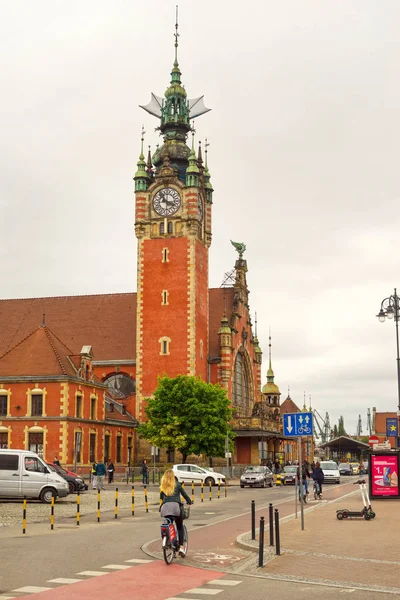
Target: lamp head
381	316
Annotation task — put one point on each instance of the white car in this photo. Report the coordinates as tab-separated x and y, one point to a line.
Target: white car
187	473
330	471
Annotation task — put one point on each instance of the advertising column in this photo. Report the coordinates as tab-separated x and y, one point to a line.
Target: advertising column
384	475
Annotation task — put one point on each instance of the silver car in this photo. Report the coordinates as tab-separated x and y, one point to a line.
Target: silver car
257	476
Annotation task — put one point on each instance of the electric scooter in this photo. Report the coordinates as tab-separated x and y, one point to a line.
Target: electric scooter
366	513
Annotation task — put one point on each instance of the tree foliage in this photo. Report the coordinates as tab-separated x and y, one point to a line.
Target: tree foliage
189	415
341	429
335	431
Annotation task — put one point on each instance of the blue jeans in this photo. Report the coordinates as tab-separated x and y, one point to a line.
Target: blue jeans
145	477
305	485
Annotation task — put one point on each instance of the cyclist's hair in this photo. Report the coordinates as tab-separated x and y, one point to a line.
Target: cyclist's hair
168	483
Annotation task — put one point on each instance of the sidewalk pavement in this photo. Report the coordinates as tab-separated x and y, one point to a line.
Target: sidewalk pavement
352	552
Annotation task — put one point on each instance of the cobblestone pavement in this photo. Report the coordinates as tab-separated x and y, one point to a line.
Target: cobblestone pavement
11	511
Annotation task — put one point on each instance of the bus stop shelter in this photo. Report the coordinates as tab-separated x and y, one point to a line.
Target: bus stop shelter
343	448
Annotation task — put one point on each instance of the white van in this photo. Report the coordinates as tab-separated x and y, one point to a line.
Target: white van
330	470
24	473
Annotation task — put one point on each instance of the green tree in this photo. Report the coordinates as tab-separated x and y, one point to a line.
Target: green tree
335	431
189	415
341	429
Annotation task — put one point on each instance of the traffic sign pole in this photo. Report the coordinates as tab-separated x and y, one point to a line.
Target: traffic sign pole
301	485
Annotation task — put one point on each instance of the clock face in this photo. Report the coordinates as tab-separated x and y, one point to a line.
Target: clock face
200	206
166	202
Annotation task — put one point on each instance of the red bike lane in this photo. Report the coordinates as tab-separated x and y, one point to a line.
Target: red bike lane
214	545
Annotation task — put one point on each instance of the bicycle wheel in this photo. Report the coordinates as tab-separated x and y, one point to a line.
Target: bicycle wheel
168	551
185	539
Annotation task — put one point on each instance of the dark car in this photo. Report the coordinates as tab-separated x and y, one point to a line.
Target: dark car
75	483
254	476
290	473
345	469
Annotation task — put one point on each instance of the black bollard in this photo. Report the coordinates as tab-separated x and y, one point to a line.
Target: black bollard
253	520
277	535
261	544
271	525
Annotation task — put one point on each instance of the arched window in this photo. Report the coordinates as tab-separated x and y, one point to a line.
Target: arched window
170	227
162	228
241	384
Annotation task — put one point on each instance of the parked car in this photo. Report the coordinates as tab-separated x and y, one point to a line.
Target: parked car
355	468
75	483
345	469
189	473
290	473
330	471
24	473
257	476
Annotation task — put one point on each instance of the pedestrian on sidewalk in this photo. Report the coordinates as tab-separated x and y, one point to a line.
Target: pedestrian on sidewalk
145	472
305	476
94	477
56	461
100	474
110	469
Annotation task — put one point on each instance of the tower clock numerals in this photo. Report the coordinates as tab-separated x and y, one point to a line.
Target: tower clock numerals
166	202
200	206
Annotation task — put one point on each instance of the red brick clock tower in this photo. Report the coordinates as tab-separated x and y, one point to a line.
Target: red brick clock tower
173	227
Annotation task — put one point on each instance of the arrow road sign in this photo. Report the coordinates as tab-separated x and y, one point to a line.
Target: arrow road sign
298	424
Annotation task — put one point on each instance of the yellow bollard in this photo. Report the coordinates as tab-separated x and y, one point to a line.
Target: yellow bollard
98	506
202	491
145	499
78	508
210	491
116	503
192	491
52	514
24	516
219	489
133	501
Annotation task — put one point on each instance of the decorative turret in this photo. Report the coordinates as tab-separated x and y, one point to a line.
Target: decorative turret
142	177
256	343
206	176
270	389
225	333
193	171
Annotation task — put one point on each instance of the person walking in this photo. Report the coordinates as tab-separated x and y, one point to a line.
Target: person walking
56	461
100	474
110	469
145	472
170	496
94	477
305	476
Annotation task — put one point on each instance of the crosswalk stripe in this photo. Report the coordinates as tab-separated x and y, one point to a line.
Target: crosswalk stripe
177	598
92	573
224	582
116	567
7	597
63	580
140	561
204	592
32	589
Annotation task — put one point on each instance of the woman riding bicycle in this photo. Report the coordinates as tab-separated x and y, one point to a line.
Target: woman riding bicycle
318	476
170	494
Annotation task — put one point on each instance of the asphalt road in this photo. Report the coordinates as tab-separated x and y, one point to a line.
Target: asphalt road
42	555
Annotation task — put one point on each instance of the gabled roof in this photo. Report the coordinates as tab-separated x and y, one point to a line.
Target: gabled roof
41	353
106	321
344	442
288	406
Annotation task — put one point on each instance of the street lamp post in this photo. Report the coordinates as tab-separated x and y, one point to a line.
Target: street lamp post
390	308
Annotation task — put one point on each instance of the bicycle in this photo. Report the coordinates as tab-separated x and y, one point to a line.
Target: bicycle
170	538
317	490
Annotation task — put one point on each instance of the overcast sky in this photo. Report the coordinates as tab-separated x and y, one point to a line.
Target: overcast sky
304	158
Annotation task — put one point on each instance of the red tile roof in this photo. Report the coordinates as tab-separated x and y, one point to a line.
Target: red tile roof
288	406
107	322
41	353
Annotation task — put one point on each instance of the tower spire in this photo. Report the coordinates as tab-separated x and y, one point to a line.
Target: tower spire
142	177
270	373
255	318
176	38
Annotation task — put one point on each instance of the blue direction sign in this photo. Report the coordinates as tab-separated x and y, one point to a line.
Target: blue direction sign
298	424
